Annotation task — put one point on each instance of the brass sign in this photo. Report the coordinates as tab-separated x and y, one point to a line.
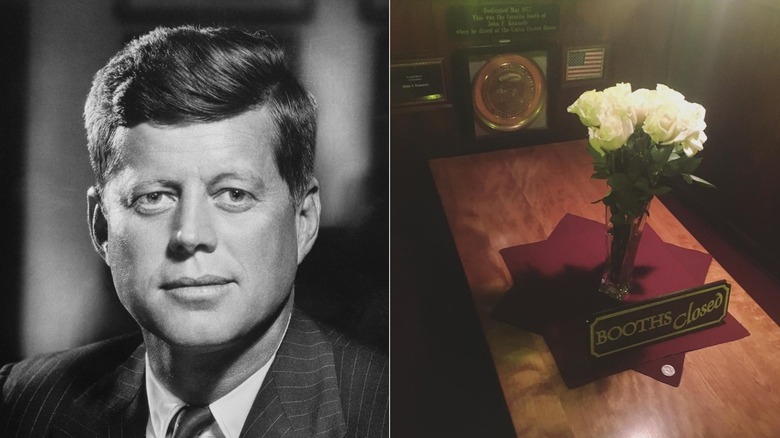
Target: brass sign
508	92
660	318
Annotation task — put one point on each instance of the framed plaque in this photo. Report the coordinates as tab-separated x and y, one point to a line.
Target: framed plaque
505	92
417	82
508	92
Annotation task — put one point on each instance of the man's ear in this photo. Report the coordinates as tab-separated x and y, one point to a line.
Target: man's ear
98	225
307	220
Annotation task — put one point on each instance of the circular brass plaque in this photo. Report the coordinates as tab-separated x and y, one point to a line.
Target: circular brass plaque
508	92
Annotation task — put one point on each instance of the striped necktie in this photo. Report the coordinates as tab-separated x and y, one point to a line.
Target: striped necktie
195	422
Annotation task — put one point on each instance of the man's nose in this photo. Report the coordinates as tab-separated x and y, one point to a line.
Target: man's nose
193	229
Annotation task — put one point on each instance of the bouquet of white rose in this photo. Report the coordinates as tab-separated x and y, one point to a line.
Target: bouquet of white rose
638	140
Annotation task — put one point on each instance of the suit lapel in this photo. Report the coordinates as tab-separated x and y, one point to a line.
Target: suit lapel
115	406
300	394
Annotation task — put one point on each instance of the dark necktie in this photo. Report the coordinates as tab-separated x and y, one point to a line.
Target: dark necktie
191	421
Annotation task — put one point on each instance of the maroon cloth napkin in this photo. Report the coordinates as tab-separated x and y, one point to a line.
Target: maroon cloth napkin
555	289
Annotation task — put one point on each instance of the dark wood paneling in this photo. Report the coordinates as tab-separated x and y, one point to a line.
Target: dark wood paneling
411	30
726	56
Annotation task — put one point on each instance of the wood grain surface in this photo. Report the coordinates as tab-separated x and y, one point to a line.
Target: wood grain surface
499	199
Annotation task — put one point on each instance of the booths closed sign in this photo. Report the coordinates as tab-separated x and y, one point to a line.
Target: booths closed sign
657	319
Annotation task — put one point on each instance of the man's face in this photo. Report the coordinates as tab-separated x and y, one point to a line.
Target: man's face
203	237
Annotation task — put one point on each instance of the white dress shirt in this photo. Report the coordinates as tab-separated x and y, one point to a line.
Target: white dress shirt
230	411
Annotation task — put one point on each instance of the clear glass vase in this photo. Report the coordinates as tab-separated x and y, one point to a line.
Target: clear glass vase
623	234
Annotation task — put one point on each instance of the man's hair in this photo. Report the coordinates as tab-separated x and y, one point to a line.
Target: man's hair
194	75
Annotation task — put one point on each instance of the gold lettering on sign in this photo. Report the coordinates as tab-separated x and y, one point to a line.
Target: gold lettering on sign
656	319
688	318
501	20
662	319
632	327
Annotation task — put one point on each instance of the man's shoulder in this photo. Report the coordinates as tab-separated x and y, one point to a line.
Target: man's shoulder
70	369
347	350
362	373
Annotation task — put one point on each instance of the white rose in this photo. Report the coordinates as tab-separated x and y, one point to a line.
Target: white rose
612	134
640	102
665	116
693	115
621	103
667	95
667	123
619	91
588	107
692	144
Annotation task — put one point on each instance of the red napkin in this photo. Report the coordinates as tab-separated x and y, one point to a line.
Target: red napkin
555	289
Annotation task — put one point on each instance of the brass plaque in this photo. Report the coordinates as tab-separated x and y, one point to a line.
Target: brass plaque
664	317
508	92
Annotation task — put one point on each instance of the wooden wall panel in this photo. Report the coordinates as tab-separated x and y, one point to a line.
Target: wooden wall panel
726	56
411	31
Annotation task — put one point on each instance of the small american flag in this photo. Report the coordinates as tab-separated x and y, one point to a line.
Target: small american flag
585	63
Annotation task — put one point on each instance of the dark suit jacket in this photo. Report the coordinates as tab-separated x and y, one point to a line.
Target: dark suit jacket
321	384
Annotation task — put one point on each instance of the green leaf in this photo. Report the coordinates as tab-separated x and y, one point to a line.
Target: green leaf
660	190
687	178
629	201
702	181
619	181
598	156
608	199
600	171
641	183
671	168
687	164
661	156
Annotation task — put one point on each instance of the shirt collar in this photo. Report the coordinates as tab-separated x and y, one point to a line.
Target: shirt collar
230	411
163	405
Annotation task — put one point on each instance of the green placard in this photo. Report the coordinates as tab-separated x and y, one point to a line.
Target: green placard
660	318
502	20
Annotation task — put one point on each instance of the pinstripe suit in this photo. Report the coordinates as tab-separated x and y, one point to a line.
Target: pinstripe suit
321	384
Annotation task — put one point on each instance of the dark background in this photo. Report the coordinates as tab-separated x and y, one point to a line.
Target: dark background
56	292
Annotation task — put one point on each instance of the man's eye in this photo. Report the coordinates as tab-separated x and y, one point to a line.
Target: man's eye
235	200
153	198
154	202
237	195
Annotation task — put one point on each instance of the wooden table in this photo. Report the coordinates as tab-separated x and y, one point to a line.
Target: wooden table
500	199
